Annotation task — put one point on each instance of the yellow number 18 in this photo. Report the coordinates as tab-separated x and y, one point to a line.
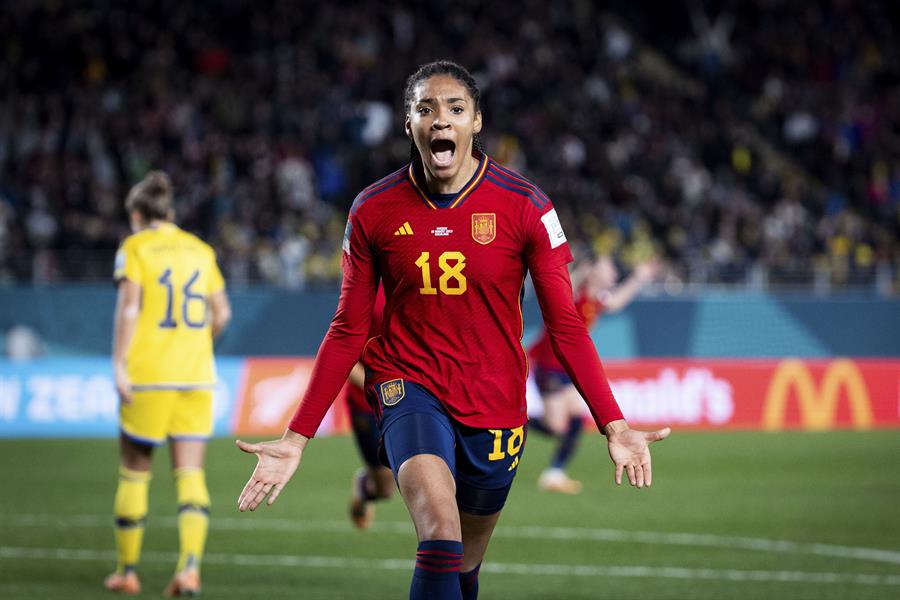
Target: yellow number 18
448	272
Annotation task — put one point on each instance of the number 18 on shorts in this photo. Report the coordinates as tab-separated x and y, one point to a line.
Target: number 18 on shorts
483	461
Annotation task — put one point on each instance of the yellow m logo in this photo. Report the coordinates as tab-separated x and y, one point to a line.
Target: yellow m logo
818	407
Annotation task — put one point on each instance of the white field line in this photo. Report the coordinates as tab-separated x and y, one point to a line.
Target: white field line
396	564
514	532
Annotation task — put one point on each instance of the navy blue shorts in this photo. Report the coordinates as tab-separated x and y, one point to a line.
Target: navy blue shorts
550	381
483	461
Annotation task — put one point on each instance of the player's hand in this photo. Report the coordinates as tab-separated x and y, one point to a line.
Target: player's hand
647	270
629	449
276	462
123	385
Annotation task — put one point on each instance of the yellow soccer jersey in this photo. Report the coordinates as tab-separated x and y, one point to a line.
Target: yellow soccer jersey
172	343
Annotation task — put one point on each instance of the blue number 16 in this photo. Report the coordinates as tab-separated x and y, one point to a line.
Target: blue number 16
169	321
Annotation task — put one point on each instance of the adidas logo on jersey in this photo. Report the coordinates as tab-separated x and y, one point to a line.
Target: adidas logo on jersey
404	229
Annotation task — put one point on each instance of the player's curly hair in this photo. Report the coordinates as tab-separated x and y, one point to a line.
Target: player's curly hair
151	197
442	67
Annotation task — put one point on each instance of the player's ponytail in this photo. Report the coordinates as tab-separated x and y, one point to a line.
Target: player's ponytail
454	70
151	197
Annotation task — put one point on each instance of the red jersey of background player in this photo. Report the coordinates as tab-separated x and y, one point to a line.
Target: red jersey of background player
356	396
453	270
541	352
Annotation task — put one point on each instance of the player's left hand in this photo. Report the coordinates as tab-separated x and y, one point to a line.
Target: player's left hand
276	462
629	449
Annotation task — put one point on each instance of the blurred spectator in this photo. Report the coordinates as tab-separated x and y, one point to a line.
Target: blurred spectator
749	143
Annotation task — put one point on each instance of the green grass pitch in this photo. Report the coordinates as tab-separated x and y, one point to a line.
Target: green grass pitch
730	515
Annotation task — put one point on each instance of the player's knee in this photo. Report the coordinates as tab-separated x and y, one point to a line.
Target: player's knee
438	528
190	486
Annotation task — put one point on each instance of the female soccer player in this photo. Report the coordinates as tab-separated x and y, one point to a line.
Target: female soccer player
171	304
557	407
451	236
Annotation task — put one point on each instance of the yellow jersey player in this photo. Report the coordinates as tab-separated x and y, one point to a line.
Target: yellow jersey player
171	304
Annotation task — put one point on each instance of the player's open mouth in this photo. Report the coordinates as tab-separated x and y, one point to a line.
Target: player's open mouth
442	152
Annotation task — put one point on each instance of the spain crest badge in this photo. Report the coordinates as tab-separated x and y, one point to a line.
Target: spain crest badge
484	227
392	392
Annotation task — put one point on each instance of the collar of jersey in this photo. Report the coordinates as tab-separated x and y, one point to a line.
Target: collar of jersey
417	179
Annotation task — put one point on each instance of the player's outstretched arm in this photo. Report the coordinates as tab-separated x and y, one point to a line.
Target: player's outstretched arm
629	450
276	462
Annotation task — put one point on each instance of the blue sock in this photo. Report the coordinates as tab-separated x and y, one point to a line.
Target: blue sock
568	443
468	583
437	571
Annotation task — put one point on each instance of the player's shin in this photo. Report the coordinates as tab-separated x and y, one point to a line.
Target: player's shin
568	443
193	516
131	513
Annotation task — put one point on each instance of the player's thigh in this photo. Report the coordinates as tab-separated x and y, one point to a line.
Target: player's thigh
187	453
556	412
145	420
418	445
574	403
487	461
413	422
192	418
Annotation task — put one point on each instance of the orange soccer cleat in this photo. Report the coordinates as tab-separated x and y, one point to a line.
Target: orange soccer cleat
123	583
362	510
185	583
556	480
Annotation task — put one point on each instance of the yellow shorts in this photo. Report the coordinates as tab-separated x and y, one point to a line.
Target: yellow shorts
154	415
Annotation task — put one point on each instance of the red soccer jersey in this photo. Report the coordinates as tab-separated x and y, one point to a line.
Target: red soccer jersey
541	352
356	396
453	280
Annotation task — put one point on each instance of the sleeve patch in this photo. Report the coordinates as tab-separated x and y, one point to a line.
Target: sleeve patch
347	232
119	268
554	228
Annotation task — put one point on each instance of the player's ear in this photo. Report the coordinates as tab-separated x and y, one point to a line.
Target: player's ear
477	125
407	126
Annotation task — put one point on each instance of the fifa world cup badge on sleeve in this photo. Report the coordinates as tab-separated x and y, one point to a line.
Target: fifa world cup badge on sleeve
484	227
347	232
554	229
392	392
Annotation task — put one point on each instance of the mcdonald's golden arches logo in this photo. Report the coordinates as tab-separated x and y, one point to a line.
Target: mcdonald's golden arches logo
818	406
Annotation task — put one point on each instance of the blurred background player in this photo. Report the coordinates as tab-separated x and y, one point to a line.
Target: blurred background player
554	404
171	304
374	481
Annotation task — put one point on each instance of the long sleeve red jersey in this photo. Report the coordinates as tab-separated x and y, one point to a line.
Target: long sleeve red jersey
453	270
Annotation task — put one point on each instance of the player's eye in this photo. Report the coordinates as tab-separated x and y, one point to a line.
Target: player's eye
457	110
423	110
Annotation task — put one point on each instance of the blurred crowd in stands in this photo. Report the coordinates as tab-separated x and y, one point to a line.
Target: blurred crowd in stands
752	143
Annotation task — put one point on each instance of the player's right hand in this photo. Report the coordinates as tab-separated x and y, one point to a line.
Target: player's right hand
276	462
123	385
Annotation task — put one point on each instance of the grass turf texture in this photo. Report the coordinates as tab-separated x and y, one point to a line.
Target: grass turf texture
838	489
